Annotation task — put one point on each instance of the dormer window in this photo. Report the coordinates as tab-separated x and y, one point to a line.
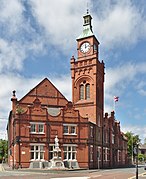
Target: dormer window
84	91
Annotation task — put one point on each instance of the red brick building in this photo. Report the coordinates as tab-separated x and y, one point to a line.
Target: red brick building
87	138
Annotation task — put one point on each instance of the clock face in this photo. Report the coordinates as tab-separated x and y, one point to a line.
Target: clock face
85	47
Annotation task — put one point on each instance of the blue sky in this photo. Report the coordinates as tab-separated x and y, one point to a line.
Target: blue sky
38	38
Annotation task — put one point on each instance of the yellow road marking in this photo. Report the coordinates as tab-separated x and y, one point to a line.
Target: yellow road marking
142	174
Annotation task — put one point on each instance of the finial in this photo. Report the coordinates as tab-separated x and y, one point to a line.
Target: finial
14	96
87	9
14	93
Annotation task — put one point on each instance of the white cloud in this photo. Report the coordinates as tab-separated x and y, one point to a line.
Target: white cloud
18	38
120	23
116	75
11	55
60	21
118	78
136	130
141	88
11	15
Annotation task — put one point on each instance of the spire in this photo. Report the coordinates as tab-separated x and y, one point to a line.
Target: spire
87	26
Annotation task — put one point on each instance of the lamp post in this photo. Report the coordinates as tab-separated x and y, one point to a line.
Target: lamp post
19	112
136	154
132	151
137	162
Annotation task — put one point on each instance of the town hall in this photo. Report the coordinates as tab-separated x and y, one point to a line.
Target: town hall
87	136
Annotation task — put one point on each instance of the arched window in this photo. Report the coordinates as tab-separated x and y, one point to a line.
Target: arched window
87	91
81	91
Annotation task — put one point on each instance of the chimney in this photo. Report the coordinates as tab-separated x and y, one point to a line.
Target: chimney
112	114
14	101
106	115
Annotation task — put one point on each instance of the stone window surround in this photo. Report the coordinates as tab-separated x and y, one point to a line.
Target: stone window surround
91	153
37	127
69	126
70	152
106	154
39	151
84	90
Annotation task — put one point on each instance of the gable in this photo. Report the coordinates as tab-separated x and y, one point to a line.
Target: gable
47	93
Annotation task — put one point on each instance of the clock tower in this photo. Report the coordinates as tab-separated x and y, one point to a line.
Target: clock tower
87	74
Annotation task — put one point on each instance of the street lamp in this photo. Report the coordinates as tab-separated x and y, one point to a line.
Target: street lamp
136	154
132	151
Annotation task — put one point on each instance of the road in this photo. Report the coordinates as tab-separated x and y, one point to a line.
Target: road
123	173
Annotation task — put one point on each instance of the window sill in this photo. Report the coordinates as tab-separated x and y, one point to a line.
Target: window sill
33	133
37	160
70	134
89	101
37	133
40	133
74	160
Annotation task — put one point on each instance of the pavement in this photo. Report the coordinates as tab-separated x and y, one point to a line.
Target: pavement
6	167
23	173
74	174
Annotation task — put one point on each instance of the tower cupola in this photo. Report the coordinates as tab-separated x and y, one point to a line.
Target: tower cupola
87	20
87	27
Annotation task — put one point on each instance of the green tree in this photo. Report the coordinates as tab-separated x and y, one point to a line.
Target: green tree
141	157
145	141
133	140
3	149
